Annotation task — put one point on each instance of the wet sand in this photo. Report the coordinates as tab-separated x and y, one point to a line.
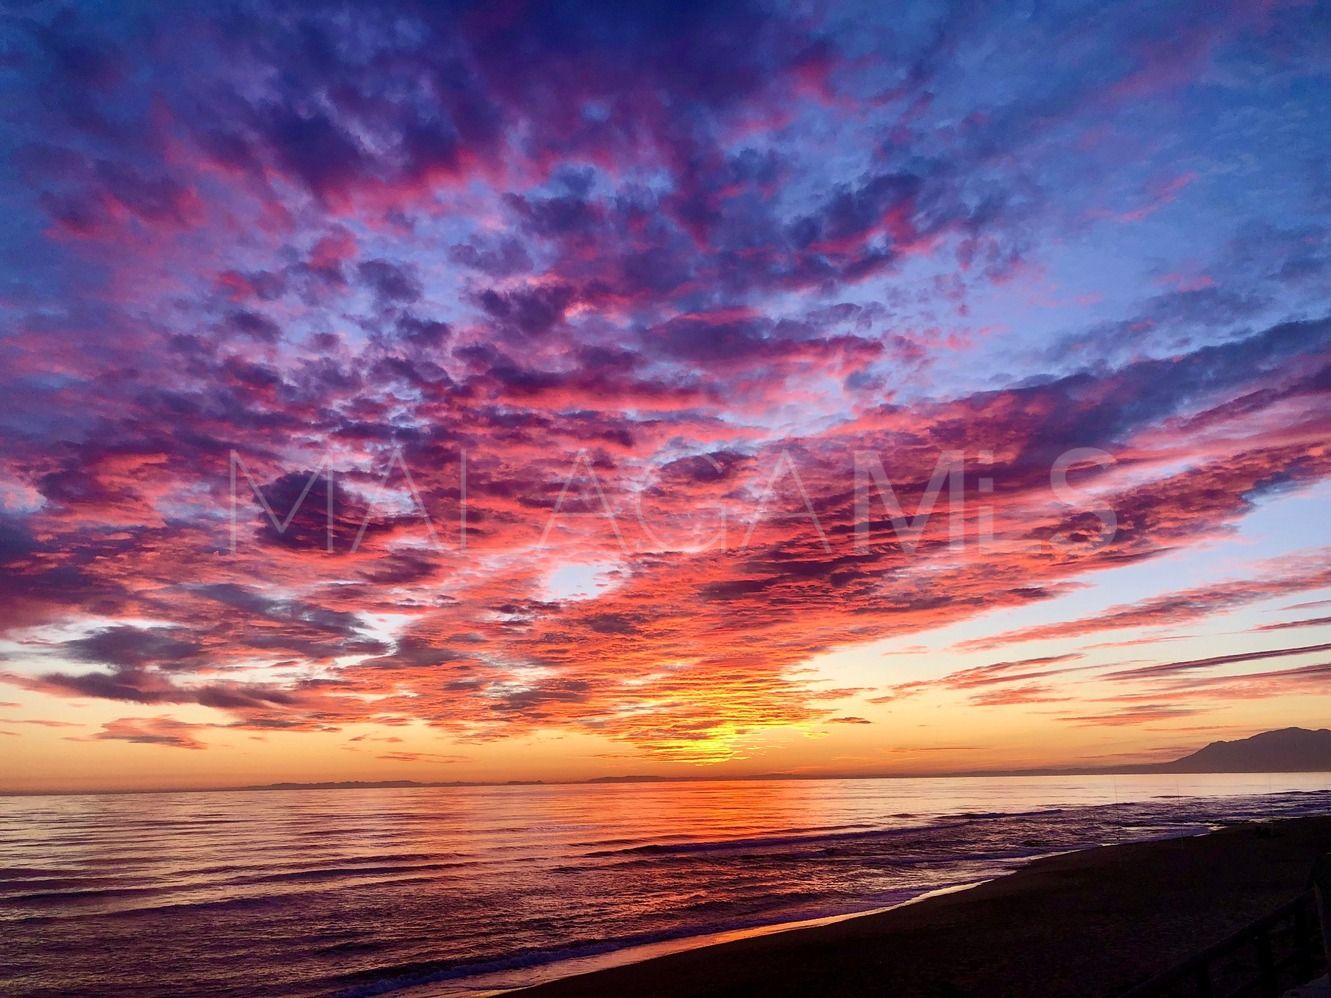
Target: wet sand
1088	923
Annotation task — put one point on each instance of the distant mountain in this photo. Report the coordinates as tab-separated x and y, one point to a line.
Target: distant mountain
630	779
1289	750
339	785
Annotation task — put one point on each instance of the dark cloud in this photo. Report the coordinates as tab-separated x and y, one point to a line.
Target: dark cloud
531	311
134	647
389	282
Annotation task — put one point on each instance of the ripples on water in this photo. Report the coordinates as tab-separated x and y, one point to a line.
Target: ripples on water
364	891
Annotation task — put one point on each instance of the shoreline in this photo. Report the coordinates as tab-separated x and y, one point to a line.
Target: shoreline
491	984
1112	914
517	980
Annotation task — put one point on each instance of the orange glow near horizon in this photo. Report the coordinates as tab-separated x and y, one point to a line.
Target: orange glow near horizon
673	389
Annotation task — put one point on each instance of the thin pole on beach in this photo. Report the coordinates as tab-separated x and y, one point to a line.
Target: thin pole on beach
1322	881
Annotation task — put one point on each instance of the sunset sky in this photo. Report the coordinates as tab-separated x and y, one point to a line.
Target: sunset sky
610	337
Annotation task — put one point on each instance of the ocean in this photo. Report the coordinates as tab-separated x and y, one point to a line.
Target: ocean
457	891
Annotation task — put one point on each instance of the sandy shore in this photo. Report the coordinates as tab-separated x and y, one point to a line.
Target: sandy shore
1089	923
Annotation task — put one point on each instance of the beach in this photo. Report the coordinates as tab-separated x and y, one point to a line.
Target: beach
1093	922
455	892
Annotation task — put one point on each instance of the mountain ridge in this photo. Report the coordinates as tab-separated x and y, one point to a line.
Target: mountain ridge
1283	750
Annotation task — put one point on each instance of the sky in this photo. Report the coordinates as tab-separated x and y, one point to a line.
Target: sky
451	391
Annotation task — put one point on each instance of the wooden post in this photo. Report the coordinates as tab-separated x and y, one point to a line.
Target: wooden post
1204	980
1268	985
1305	945
1322	880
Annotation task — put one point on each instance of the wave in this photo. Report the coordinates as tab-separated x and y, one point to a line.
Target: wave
352	898
776	841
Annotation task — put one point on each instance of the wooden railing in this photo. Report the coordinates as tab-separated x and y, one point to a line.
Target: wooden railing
1264	959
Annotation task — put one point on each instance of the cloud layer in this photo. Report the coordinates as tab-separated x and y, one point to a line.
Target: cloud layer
336	338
